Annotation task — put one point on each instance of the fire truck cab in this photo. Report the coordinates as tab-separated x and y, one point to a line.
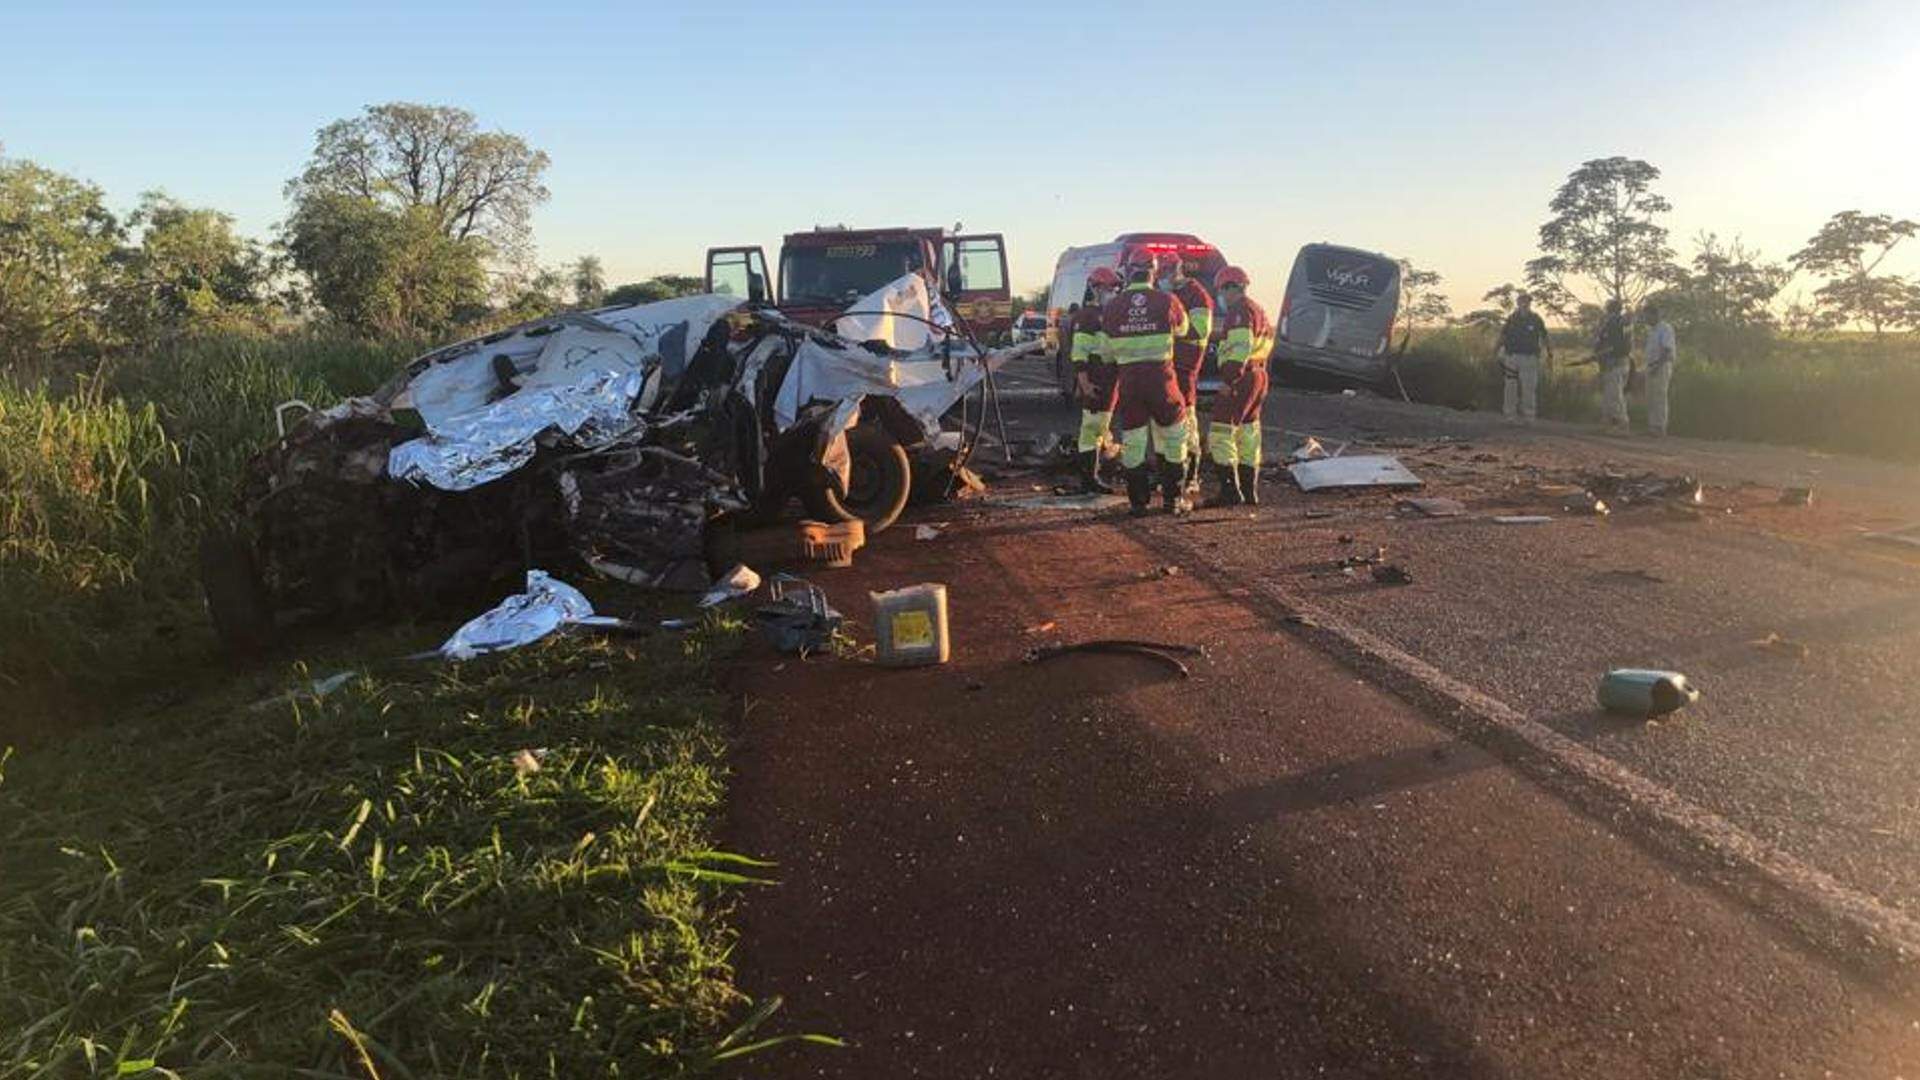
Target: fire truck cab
822	271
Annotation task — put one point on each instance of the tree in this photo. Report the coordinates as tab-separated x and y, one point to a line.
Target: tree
589	281
1846	251
1603	230
659	287
58	242
382	269
1723	302
1502	299
466	184
189	272
1421	304
535	297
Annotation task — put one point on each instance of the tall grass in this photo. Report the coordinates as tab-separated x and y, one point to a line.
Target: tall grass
105	483
1845	395
499	869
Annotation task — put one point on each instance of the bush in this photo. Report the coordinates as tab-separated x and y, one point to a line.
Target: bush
105	486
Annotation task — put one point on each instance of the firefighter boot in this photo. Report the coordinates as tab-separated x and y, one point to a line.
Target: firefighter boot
1250	484
1229	481
1139	491
1173	488
1090	482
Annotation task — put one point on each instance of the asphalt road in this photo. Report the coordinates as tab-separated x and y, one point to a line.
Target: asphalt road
1091	867
1803	635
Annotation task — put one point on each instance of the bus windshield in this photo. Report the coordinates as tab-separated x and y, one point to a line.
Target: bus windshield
841	273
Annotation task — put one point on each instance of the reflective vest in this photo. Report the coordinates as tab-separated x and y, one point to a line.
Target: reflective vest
1188	348
1087	346
1139	325
1248	336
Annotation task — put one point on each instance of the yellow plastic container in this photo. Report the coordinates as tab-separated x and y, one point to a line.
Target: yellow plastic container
910	625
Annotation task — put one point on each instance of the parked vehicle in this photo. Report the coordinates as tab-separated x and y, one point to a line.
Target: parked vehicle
1029	326
1069	290
1338	312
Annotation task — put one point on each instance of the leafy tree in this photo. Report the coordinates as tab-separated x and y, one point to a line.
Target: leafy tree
58	243
382	269
1846	251
1421	304
431	164
1500	297
189	272
589	281
659	287
1723	301
535	297
1603	230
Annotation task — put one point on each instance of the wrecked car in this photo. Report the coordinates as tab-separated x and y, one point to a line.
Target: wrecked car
631	440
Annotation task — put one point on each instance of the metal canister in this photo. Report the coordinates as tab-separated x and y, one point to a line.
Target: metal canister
1645	692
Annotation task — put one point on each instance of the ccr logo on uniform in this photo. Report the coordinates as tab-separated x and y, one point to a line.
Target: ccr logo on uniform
1139	299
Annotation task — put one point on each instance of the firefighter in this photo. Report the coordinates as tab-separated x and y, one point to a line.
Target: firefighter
1189	352
1137	330
1233	436
1093	377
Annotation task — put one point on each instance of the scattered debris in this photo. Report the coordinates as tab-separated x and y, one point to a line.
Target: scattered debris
1316	514
910	625
1644	692
734	584
1345	472
1345	538
1379	556
1161	651
1392	574
1796	496
832	544
1485	457
1308	450
1523	519
798	620
1634	576
1906	535
926	532
313	691
1168	571
1431	506
1628	488
527	762
1040	628
1587	503
547	604
1781	646
1056	502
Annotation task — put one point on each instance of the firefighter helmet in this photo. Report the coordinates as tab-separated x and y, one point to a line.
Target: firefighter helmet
1142	263
1230	275
1104	278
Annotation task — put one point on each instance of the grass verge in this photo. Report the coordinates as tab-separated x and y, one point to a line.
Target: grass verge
496	869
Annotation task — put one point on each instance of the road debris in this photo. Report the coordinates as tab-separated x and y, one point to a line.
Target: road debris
526	761
734	584
1523	519
1367	470
798	619
1905	536
832	544
1392	574
313	691
1161	651
910	625
926	532
1587	503
1056	502
1431	506
1646	692
1634	576
1781	646
1796	496
547	604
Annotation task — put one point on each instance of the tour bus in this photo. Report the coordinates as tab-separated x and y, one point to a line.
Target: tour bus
1337	315
1069	291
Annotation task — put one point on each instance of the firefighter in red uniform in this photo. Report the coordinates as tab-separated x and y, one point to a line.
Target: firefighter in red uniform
1093	377
1137	332
1233	436
1189	352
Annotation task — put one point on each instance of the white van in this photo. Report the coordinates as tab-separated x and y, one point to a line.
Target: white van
1069	290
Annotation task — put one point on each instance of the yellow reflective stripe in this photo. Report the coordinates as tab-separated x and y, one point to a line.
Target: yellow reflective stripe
1248	438
1171	439
1262	347
1133	448
1086	345
1186	319
1199	323
1220	443
1093	429
1237	346
1140	349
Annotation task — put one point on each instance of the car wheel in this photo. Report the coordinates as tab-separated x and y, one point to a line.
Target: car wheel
878	482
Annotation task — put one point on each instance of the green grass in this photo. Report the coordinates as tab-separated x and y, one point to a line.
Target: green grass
367	885
1844	394
105	484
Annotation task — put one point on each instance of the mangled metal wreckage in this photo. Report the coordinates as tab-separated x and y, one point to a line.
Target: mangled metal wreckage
628	440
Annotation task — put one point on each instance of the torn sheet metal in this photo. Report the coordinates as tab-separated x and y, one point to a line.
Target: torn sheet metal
582	376
897	313
546	606
1369	470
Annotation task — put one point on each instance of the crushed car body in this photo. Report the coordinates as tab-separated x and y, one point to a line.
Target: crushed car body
625	439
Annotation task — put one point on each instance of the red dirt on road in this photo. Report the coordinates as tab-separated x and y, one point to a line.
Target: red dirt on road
1093	868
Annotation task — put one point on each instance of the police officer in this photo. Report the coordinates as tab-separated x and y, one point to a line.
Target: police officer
1093	377
1189	352
1233	436
1138	328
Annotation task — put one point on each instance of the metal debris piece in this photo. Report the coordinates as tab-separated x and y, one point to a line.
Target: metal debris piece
1432	506
1644	692
1523	519
1796	496
736	583
546	606
1156	650
1781	646
799	619
1367	470
1392	574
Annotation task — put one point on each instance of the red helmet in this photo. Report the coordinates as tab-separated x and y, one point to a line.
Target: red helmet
1104	278
1141	261
1230	275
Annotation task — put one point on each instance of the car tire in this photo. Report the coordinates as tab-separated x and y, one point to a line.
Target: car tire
880	480
236	596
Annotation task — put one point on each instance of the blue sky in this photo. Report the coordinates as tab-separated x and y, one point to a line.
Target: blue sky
1434	131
